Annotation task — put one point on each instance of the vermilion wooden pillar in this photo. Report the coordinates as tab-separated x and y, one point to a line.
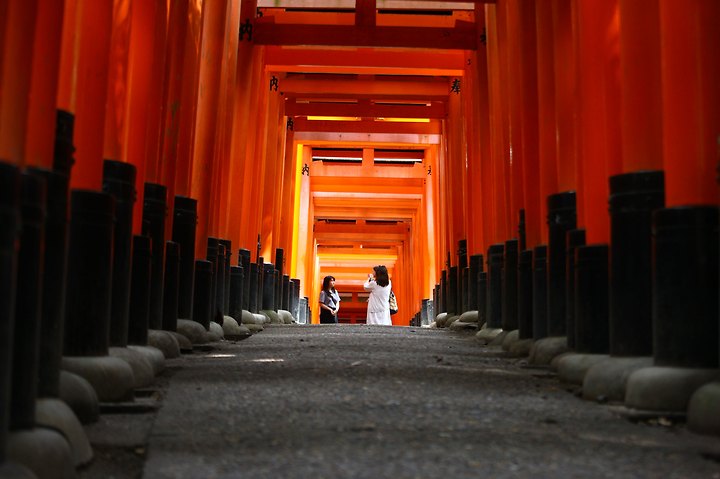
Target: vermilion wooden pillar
88	67
204	166
528	91
42	108
270	143
691	102
15	77
473	123
641	113
456	172
547	146
598	89
117	86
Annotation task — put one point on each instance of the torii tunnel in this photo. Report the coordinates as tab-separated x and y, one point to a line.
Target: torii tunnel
471	147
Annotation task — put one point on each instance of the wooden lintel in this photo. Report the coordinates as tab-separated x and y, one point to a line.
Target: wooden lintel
308	86
368	127
462	37
436	110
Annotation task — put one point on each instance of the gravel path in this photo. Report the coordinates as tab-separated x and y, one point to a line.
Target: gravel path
380	402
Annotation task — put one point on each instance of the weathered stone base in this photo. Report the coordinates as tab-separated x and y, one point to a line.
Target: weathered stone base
141	367
487	335
235	331
165	341
441	319
573	367
521	348
607	380
44	451
194	331
272	316
112	378
545	349
286	316
703	415
666	388
10	470
79	394
216	332
183	342
463	326
470	317
153	355
510	338
55	414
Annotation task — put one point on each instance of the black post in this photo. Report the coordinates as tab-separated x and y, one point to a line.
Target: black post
539	286
633	198
521	231
279	293
244	261
154	214
464	289
9	235
260	284
52	315
202	299
228	263
268	296
685	287
561	218
89	279
28	302
184	223
494	287
171	286
119	181
236	292
213	251
462	264
482	294
510	285
286	292
219	311
442	308
140	291
476	265
253	281
452	291
575	238
525	295
591	300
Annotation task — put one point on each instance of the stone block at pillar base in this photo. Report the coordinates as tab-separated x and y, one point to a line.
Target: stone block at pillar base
165	341
55	414
499	339
255	328
451	319
470	317
286	316
11	470
194	331
216	332
234	331
487	335
702	413
545	349
573	367
273	316
153	355
141	367
509	339
463	326
112	378
79	394
260	318
666	389
183	342
521	348
607	380
441	320
44	451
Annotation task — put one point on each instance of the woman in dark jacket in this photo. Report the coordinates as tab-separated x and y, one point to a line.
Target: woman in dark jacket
329	301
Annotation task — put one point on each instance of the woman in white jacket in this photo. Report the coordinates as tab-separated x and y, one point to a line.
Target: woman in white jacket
379	286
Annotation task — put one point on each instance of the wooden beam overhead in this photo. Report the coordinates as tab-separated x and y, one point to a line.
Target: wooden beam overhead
462	37
436	110
368	127
424	89
365	61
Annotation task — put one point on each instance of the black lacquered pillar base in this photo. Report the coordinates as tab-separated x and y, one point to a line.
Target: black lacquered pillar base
236	293
171	286
575	238
268	295
539	286
591	300
509	286
202	300
184	224
154	214
244	262
140	291
494	287
561	218
525	295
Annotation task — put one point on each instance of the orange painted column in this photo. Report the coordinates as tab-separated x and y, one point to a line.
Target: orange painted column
89	67
15	78
156	92
473	121
500	198
691	101
598	86
117	85
565	95
219	220
641	111
547	145
525	26
137	127
456	172
42	107
287	210
204	166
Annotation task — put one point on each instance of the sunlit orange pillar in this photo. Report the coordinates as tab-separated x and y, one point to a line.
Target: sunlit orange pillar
87	65
473	123
40	135
15	77
547	145
287	215
117	86
641	111
690	40
597	21
274	156
203	165
456	171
